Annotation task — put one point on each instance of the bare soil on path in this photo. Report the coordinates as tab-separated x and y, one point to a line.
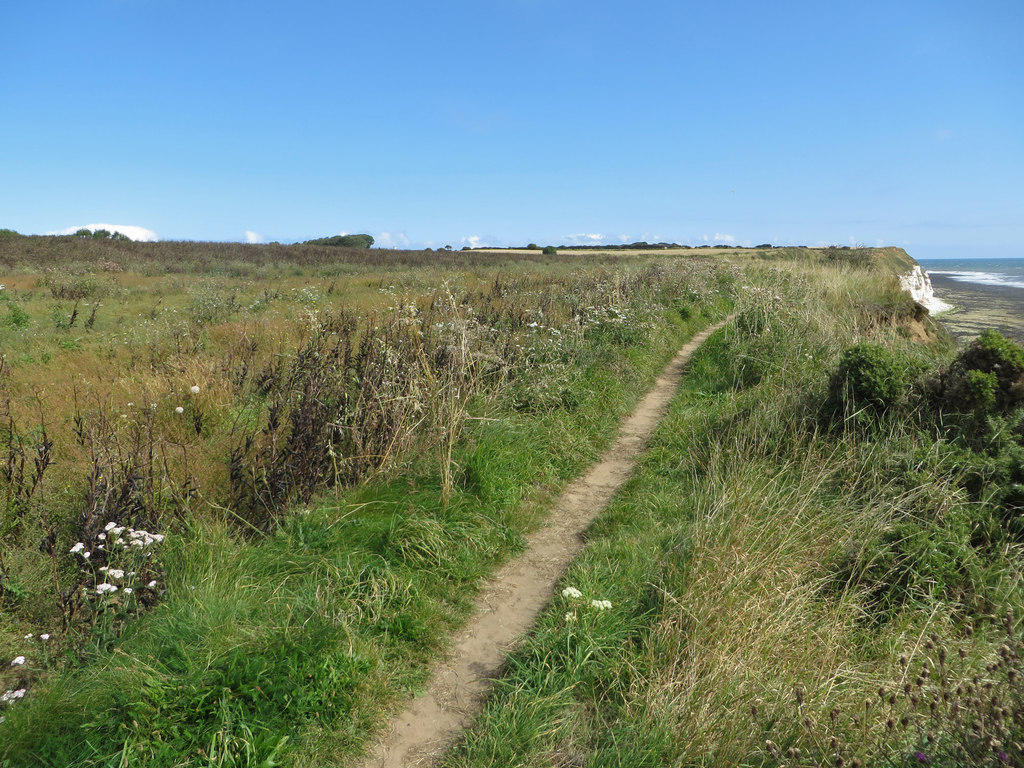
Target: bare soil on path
509	603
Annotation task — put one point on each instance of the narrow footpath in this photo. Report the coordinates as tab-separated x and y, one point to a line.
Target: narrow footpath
510	602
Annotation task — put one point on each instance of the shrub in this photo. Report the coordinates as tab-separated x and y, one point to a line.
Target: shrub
869	375
550	250
986	378
17	317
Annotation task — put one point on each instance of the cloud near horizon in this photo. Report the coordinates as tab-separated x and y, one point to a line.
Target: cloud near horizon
391	240
128	230
583	239
720	238
254	238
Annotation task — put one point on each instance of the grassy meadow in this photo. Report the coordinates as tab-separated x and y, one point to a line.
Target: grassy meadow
292	466
250	491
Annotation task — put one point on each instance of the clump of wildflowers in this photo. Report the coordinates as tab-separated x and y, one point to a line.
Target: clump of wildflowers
577	602
115	592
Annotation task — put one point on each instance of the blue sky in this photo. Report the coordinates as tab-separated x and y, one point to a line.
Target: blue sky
507	121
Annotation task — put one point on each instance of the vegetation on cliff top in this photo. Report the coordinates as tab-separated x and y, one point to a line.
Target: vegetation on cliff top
321	450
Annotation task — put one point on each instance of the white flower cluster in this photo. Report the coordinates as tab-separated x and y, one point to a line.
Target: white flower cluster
136	538
9	696
121	541
571	593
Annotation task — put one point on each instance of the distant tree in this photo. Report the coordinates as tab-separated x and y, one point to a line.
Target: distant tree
83	233
550	249
533	247
9	233
344	241
447	247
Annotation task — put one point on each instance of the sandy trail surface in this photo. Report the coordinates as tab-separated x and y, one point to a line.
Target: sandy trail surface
508	604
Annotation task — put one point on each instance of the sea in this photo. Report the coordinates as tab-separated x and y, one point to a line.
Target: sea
1007	272
985	293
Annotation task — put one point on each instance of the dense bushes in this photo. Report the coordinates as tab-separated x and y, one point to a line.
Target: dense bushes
938	544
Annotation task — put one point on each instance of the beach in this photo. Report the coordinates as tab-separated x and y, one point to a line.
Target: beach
980	306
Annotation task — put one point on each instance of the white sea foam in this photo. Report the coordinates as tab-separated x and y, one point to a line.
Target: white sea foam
982	278
919	286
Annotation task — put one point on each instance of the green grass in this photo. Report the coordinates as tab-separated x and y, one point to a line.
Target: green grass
291	647
734	633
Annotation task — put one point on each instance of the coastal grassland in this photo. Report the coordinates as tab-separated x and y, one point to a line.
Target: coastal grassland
318	463
813	564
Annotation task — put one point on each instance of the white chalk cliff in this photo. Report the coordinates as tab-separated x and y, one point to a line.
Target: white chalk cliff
919	286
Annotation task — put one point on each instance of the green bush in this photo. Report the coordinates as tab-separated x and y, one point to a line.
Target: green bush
870	375
17	317
550	250
986	378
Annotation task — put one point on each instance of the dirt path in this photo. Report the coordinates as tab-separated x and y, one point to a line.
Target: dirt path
512	599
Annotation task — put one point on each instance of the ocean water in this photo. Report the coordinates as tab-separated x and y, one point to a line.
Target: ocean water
1006	273
985	293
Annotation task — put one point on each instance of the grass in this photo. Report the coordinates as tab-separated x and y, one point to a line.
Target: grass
284	631
737	635
792	577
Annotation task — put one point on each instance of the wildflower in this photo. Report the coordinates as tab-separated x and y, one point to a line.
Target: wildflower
29	636
77	548
87	555
104	588
127	590
109	526
571	592
115	573
152	584
195	389
179	409
601	605
45	636
18	661
570	616
9	696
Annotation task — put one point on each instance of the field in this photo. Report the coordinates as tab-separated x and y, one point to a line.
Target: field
292	467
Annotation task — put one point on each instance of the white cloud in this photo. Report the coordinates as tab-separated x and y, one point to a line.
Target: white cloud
720	238
128	230
254	237
474	241
391	240
583	239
